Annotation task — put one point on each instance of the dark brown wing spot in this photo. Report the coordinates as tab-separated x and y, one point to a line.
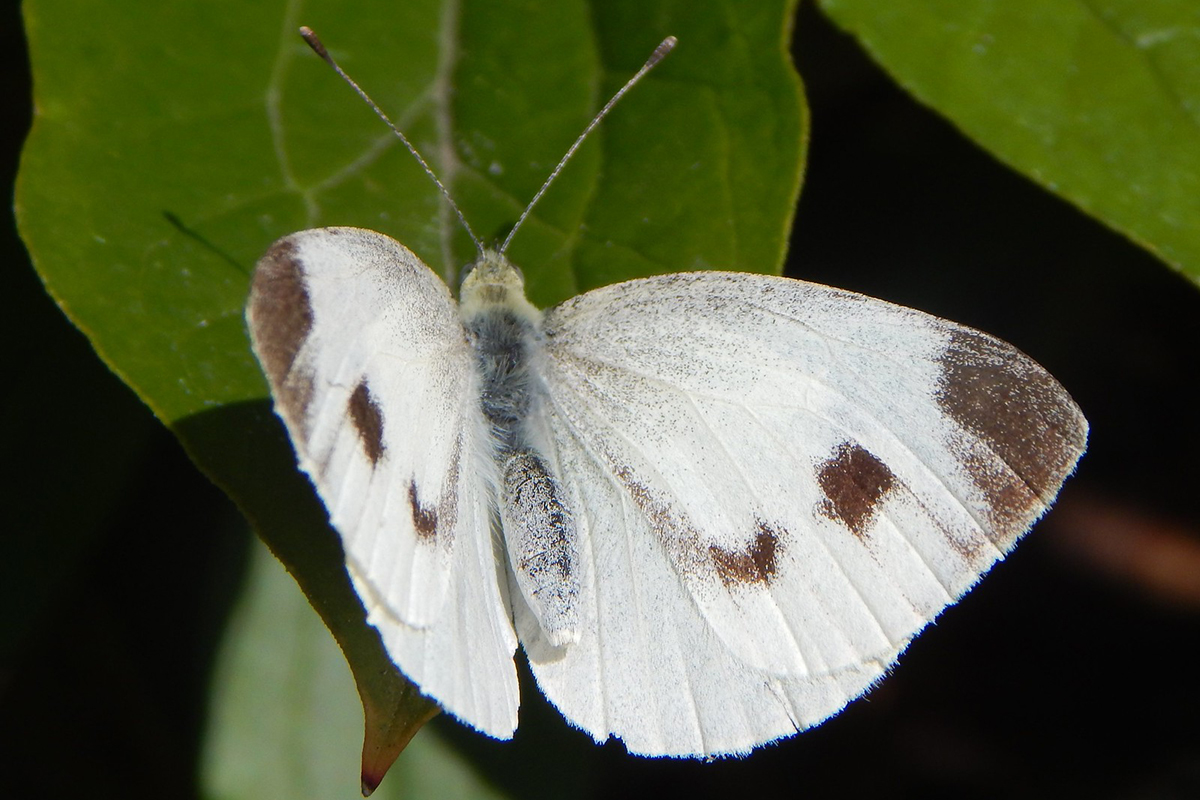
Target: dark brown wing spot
671	527
1023	416
425	520
853	481
364	413
686	546
280	316
755	564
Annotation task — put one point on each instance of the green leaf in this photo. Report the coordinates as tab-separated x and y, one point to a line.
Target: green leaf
149	188
1096	100
283	721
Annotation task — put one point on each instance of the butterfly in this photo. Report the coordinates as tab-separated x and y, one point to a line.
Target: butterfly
712	507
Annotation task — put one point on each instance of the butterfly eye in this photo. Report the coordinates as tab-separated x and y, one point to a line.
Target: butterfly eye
464	271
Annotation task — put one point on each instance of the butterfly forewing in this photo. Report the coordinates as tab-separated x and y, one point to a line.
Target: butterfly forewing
370	369
811	473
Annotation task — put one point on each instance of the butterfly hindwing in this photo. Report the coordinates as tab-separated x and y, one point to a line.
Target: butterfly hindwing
777	484
372	374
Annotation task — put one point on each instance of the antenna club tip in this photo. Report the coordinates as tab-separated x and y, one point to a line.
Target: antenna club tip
310	36
660	52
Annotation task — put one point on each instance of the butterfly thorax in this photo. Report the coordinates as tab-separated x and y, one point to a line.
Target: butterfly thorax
505	331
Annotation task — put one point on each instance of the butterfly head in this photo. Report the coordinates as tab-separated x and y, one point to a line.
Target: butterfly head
493	283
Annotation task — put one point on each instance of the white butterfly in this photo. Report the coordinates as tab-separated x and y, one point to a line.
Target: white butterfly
713	507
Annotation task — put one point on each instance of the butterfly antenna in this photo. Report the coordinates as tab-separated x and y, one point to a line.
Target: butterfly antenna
658	55
319	49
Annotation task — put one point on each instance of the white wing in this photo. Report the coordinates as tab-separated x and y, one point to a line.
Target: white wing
777	484
371	371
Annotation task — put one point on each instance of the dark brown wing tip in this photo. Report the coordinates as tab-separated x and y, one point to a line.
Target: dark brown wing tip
1022	415
279	317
